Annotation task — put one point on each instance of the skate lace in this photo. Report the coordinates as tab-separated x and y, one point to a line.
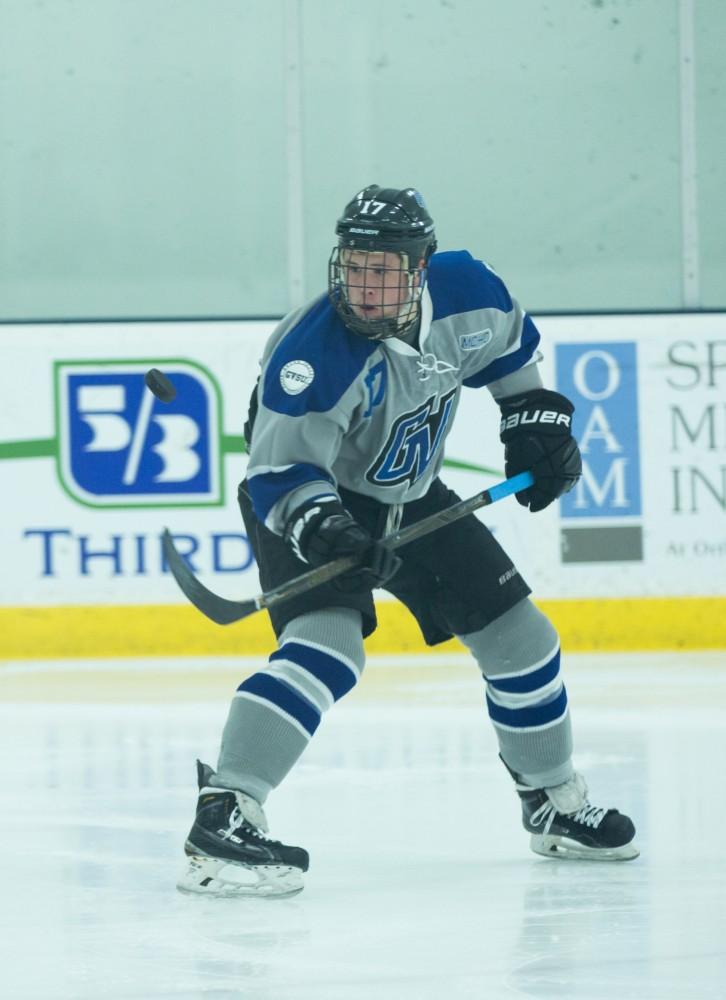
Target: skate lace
588	815
237	820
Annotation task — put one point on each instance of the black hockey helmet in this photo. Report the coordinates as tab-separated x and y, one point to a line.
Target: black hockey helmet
386	219
377	220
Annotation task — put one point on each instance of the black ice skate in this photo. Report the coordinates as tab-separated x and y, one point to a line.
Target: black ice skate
228	852
564	824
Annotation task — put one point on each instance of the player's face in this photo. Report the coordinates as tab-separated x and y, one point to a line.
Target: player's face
377	285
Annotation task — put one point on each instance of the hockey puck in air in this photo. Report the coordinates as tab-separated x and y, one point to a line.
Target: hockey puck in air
160	385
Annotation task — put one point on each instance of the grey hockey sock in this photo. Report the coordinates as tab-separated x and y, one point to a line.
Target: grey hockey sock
276	711
519	657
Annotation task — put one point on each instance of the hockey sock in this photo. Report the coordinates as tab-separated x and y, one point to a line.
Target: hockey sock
276	711
519	657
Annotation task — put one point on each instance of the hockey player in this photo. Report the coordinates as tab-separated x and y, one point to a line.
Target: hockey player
346	432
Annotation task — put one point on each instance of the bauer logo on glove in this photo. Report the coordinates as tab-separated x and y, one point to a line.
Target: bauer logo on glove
535	417
536	433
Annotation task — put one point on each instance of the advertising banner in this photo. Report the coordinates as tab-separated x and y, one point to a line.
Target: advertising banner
648	517
93	466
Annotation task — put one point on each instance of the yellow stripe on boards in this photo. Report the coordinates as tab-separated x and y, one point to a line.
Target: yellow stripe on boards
180	630
602	624
127	630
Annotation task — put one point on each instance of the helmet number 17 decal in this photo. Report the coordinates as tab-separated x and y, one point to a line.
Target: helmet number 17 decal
371	207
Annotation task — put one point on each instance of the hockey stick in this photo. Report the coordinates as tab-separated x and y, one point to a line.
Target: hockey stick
223	611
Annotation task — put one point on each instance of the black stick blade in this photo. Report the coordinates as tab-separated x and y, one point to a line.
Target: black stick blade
218	609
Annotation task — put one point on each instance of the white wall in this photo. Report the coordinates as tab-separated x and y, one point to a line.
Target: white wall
166	158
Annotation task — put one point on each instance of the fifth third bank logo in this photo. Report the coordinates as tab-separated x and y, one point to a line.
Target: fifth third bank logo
120	446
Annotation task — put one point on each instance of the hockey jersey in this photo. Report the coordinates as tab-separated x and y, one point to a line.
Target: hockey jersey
372	416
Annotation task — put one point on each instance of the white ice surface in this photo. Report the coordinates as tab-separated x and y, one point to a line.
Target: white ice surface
421	886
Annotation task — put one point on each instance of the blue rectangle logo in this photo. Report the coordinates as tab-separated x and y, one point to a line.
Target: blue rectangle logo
601	380
121	446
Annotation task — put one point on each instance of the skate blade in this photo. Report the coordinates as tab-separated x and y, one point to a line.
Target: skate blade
569	850
216	877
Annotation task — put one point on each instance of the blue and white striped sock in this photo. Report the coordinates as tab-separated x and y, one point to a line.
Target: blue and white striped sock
276	711
528	704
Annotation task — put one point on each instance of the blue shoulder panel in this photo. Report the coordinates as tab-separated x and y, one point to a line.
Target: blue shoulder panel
459	283
319	351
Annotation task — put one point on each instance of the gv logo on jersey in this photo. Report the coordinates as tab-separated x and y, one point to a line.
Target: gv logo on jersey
121	447
412	443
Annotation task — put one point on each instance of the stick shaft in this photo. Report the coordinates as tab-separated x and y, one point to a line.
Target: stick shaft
313	578
225	611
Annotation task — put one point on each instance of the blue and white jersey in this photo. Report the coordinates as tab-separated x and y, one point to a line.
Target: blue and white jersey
373	416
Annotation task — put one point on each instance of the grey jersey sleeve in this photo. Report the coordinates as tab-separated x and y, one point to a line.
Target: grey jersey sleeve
292	457
521	380
308	391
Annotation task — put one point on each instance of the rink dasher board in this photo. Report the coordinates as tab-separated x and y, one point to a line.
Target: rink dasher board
634	558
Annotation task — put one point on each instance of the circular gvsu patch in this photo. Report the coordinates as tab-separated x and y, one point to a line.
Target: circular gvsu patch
296	376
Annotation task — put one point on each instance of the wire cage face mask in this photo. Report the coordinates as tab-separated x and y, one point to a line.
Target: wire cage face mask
377	272
377	294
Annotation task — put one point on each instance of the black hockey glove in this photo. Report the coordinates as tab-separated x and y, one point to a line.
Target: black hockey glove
536	431
319	531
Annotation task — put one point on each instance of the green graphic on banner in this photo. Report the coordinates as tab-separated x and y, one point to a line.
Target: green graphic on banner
116	445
